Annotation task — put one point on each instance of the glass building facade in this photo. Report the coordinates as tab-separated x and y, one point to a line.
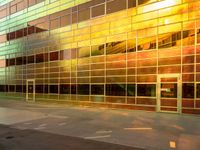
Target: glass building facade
134	54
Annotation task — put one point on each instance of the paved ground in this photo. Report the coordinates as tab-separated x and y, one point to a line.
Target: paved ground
61	127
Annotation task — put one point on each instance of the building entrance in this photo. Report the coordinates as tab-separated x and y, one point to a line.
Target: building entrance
169	93
30	90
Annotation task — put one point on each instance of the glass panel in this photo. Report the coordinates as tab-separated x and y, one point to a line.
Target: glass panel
116	47
39	58
39	88
84	15
116	89
198	36
198	90
169	90
146	90
64	89
83	52
188	37
131	90
98	10
19	61
54	56
31	59
97	89
53	88
131	45
65	20
131	3
188	90
146	43
73	89
97	50
83	89
115	5
65	54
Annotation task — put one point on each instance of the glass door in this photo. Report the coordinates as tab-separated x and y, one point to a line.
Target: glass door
30	90
169	93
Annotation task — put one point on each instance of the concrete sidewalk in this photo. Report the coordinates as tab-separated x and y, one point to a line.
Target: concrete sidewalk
124	129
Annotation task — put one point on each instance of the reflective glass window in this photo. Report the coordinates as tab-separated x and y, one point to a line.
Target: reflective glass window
97	50
198	90
53	88
198	36
116	47
65	54
65	20
131	45
39	89
83	89
31	59
188	37
115	5
2	88
83	52
19	61
11	88
12	62
146	90
188	90
97	89
83	15
116	89
73	89
19	88
130	89
98	10
54	24
146	43
39	58
64	89
131	3
54	56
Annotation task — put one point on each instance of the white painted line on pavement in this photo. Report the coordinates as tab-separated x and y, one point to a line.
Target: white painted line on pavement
103	132
42	125
172	144
40	128
62	124
27	123
137	128
57	116
97	137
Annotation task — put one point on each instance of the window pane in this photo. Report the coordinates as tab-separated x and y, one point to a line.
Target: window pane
188	90
83	89
19	61
64	89
31	59
131	3
84	15
65	54
188	37
116	47
198	36
53	88
54	56
83	52
146	90
115	5
131	90
11	88
116	89
198	90
97	89
39	58
39	89
54	24
131	45
97	50
65	20
73	89
98	10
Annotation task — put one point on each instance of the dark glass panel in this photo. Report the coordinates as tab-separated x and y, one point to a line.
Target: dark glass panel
54	56
130	89
11	88
84	15
73	53
73	89
19	88
116	47
53	88
19	60
198	90
64	89
19	33
146	90
39	58
98	10
39	88
115	5
97	89
46	57
24	60
116	89
188	90
97	50
198	36
2	88
140	2
169	90
188	37
31	30
24	88
83	89
12	62
131	3
46	89
31	59
74	17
